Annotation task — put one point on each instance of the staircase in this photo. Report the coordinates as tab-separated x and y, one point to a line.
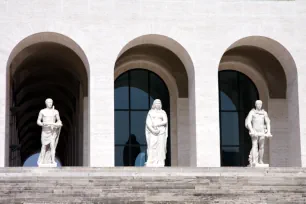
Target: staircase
152	185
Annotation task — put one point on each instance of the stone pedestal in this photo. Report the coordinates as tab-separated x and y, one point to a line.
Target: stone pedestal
48	165
260	165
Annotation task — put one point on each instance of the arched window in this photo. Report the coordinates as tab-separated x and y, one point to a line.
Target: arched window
135	91
237	95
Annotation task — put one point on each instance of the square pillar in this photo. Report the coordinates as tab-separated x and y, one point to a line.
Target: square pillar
278	145
85	132
101	117
183	134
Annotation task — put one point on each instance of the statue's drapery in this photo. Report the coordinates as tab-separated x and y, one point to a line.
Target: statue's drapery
156	143
48	135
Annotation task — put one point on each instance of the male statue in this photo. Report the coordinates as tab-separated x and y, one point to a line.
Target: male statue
156	135
51	124
258	124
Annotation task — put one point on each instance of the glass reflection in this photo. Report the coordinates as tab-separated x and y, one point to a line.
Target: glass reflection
226	102
228	84
229	128
121	126
141	157
158	90
139	89
122	92
119	155
131	151
138	122
230	156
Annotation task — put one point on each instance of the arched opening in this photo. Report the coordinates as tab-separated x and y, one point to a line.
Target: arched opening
135	91
237	94
39	69
271	68
169	62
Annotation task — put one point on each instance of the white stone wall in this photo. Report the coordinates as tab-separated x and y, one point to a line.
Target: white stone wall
204	28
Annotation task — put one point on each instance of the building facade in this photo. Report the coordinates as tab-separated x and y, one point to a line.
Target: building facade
104	62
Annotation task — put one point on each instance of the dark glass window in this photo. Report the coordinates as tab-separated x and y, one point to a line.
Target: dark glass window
135	91
237	96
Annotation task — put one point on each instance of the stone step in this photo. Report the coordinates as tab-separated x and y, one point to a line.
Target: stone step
125	170
152	185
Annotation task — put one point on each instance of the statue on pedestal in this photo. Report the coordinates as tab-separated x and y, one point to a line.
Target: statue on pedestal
51	124
156	135
258	124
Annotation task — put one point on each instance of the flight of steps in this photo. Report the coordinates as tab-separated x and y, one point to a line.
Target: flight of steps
152	185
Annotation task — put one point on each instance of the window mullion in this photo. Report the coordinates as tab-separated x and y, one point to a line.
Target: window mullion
129	145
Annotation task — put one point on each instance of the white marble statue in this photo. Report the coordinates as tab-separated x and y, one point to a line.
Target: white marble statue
258	124
156	135
51	124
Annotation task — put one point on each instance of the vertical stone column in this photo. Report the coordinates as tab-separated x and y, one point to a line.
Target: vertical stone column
296	149
101	108
5	94
85	132
277	148
183	134
204	123
81	126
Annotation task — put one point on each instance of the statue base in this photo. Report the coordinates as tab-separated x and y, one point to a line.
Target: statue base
260	165
48	165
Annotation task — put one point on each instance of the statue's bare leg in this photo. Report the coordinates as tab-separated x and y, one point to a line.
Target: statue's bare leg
261	149
52	152
42	153
254	150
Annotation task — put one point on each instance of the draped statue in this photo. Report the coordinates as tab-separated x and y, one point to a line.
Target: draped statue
156	135
51	124
258	124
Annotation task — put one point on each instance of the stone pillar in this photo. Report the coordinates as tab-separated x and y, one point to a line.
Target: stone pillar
72	140
101	142
5	95
296	127
85	132
278	145
183	134
204	114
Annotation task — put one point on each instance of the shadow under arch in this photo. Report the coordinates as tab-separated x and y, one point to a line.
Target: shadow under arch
48	58
170	60
268	62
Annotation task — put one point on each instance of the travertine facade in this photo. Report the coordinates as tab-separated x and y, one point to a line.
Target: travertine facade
200	34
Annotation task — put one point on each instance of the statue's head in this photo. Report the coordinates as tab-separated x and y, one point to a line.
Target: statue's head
258	104
49	102
157	104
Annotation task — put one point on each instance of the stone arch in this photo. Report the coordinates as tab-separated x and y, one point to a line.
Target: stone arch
51	37
272	68
168	59
57	63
